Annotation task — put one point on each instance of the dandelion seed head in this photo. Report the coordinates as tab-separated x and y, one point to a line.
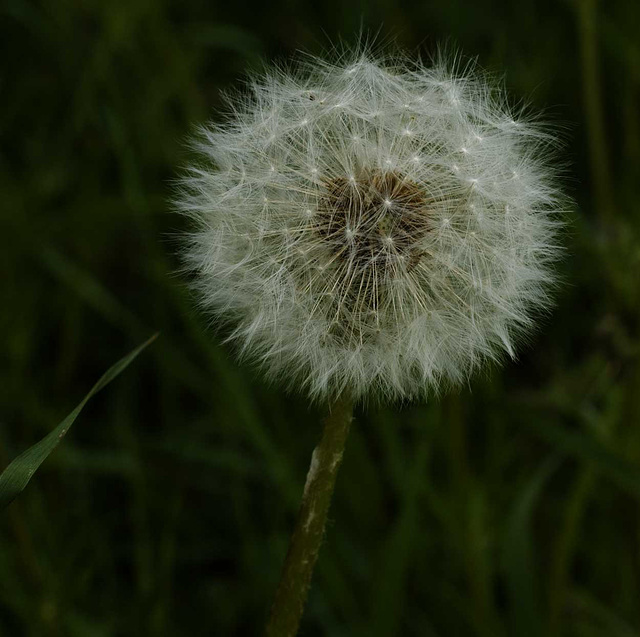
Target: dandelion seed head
398	227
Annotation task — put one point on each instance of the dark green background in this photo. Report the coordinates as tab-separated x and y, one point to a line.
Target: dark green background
508	508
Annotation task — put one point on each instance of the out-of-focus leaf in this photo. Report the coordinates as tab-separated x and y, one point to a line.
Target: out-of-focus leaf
518	558
602	619
585	447
20	471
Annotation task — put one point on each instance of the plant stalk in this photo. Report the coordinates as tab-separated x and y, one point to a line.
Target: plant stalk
304	546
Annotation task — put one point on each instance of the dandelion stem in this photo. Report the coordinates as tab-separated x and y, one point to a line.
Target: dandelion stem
309	530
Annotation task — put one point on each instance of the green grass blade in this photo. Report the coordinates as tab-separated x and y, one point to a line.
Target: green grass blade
588	449
518	557
16	476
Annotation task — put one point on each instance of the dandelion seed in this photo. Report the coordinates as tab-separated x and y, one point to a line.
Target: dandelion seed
387	295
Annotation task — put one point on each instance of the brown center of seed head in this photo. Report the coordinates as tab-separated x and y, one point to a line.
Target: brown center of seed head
374	221
372	224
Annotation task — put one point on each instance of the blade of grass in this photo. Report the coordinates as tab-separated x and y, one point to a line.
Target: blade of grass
588	22
518	555
389	591
604	619
558	581
584	447
17	475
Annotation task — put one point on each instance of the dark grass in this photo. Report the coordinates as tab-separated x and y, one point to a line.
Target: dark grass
510	507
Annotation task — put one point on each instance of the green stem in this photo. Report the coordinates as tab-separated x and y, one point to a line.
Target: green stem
312	517
594	110
565	550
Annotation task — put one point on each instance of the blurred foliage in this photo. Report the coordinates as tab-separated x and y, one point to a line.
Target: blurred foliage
509	508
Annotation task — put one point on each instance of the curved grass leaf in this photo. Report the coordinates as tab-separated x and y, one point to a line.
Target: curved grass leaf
518	557
588	449
16	476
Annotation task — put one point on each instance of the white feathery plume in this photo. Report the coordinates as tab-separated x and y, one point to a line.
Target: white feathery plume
373	226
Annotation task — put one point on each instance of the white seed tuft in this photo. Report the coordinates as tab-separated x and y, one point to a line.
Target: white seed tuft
351	252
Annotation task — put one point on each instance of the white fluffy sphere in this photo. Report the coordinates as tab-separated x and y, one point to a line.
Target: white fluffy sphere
372	227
